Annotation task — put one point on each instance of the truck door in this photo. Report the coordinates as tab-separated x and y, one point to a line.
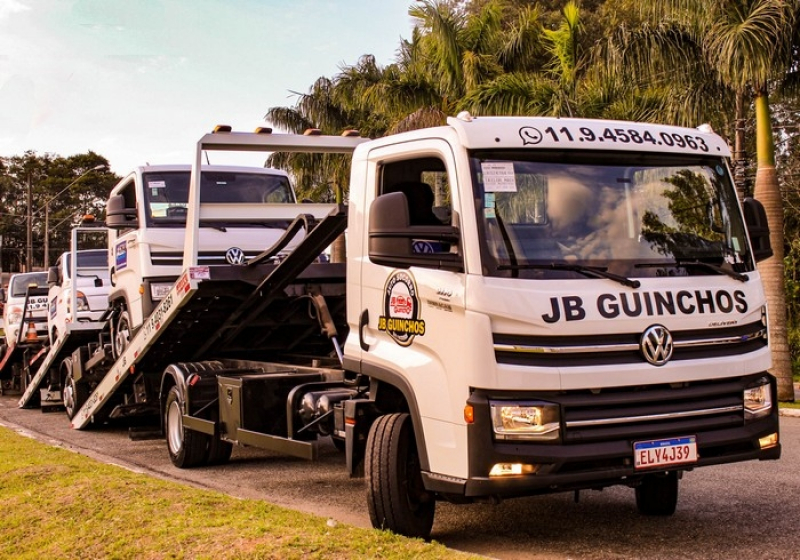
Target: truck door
414	298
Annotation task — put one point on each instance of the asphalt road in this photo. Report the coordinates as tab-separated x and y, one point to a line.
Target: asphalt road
747	510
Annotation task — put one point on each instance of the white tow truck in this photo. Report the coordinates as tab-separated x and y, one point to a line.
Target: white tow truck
251	207
529	305
77	293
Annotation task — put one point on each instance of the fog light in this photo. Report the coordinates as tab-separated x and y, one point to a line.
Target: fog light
513	469
768	441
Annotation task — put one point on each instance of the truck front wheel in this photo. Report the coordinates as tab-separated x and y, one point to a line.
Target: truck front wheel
120	332
73	394
396	496
657	494
187	448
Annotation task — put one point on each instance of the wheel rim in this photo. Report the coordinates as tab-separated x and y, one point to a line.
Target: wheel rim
174	427
69	397
122	334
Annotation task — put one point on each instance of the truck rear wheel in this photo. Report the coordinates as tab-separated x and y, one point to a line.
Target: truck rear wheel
396	497
73	394
658	494
187	448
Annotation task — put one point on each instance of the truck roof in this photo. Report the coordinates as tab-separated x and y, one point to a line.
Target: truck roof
592	134
231	168
554	133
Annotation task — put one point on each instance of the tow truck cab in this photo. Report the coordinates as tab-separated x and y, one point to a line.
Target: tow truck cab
588	311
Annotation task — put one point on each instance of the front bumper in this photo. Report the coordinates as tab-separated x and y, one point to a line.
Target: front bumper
599	454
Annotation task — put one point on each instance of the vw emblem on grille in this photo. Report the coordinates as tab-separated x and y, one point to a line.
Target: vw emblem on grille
656	345
234	255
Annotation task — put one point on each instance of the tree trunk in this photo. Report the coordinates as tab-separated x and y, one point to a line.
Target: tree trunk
738	149
768	192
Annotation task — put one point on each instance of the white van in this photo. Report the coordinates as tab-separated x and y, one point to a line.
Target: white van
14	306
92	283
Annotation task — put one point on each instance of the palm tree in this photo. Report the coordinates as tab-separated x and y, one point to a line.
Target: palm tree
320	177
742	46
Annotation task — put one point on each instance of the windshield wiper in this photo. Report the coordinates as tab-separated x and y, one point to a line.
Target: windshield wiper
697	264
590	271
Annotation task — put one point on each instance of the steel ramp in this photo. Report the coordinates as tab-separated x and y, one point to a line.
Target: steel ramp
269	300
76	335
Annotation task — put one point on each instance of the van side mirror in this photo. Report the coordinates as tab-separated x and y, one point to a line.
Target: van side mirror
53	276
392	239
755	218
118	215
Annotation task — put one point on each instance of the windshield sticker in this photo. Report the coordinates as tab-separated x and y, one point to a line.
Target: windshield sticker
649	304
155	186
498	176
401	317
489	205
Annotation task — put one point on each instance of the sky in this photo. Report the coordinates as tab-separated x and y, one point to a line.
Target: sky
140	81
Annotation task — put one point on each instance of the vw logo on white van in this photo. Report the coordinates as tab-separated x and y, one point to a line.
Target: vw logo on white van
656	345
234	255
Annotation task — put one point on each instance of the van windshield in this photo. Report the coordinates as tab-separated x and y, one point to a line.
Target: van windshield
167	193
20	283
636	215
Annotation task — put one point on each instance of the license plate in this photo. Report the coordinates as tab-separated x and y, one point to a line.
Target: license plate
664	452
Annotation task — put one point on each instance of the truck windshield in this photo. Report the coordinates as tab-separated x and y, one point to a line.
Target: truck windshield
167	193
574	214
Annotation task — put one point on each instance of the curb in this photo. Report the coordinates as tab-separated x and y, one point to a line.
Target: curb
792	412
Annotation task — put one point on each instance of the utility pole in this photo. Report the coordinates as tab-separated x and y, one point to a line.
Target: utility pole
29	220
46	235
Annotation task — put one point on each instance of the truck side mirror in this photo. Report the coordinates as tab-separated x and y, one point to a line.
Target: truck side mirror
52	276
392	238
119	215
388	217
755	217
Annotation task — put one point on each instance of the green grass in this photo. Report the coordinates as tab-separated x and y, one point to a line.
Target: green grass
60	504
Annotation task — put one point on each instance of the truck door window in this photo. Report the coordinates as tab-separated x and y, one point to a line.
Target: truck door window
425	184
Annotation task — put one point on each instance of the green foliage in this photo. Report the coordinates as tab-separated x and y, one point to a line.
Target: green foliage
62	189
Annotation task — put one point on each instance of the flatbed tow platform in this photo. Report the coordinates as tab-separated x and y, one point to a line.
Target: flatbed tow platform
249	312
76	335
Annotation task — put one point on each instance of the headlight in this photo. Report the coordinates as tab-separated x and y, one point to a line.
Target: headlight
758	400
535	421
81	302
15	315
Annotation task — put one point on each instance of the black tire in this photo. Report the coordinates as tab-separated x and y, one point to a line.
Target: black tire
339	444
219	451
73	393
396	497
187	448
657	494
120	333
